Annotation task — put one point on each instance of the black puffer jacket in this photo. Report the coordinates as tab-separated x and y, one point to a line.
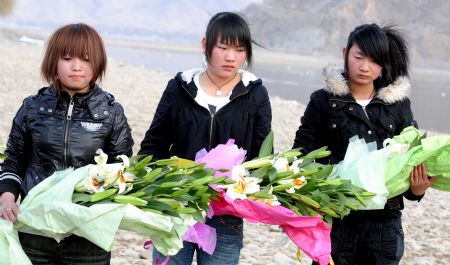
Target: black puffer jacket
46	137
182	127
332	117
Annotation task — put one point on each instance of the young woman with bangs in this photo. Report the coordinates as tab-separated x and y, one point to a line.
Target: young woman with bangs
202	108
62	126
367	98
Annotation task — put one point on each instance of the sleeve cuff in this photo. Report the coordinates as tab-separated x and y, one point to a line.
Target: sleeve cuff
10	182
412	197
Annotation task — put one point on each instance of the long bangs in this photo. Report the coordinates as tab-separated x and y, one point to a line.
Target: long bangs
373	43
74	40
231	29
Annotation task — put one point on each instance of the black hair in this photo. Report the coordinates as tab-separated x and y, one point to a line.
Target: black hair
385	46
231	29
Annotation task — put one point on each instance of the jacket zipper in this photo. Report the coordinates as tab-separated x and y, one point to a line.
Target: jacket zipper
66	131
212	115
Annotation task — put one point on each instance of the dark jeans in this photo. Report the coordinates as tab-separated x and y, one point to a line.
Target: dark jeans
229	230
73	250
373	241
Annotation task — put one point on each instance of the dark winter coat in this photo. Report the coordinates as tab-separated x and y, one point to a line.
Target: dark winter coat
52	132
182	127
332	117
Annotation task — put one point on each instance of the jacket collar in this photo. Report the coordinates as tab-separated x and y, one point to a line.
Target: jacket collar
337	85
247	81
96	101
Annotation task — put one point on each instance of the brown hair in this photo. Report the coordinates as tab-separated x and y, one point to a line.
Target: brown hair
75	40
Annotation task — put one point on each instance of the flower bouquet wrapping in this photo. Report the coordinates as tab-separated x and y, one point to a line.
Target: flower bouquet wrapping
386	171
160	199
287	189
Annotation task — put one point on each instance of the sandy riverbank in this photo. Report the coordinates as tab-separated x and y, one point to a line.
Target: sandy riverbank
426	224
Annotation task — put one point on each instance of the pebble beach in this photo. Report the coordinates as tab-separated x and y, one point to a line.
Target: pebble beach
426	224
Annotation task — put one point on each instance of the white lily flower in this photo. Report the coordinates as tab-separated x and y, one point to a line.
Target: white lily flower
294	167
271	202
244	184
101	158
104	175
122	181
125	160
298	183
281	164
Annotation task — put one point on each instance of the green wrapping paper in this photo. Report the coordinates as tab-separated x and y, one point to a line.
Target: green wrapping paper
386	171
433	151
48	210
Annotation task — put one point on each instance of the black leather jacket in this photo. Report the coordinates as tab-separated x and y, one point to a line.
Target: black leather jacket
332	117
182	127
46	137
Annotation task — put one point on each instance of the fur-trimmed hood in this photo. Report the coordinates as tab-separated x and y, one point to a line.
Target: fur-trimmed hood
337	85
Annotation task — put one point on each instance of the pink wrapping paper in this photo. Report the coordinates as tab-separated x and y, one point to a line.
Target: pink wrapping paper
224	156
309	233
203	235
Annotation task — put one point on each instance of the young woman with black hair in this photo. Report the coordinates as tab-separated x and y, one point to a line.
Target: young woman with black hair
368	98
202	108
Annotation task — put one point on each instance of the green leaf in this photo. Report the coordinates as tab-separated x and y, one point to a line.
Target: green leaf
202	172
283	187
262	194
80	198
267	145
324	172
150	175
272	174
218	180
291	153
138	166
318	153
170	184
186	198
165	162
180	192
260	172
185	210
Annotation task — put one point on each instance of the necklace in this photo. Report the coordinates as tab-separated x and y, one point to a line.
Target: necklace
218	92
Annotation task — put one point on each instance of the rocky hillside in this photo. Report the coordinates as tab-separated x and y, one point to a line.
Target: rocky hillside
315	27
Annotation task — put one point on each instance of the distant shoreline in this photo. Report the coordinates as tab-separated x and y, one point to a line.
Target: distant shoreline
262	55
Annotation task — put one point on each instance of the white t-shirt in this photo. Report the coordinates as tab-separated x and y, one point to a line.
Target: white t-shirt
211	103
363	103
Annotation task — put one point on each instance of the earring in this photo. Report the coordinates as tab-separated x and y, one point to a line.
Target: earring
205	63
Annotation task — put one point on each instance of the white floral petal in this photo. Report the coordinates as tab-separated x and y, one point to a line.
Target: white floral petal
291	190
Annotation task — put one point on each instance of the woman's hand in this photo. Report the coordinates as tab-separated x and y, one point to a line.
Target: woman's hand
8	207
419	180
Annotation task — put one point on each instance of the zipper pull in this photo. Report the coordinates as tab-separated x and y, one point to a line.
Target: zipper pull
69	112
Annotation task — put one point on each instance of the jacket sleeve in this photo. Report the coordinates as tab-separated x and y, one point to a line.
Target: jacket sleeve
157	139
263	123
407	119
18	154
120	141
307	135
